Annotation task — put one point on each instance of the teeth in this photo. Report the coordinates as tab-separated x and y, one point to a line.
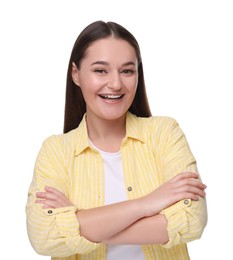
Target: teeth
111	96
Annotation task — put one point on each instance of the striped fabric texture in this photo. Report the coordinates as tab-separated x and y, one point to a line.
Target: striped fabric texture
153	151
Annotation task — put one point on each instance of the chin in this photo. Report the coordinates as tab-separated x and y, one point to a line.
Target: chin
113	116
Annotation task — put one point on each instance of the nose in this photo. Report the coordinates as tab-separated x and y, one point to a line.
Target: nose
114	82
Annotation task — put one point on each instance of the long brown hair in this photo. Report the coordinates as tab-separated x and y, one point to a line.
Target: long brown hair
75	106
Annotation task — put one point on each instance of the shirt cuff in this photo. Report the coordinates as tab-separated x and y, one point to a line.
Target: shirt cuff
68	226
177	222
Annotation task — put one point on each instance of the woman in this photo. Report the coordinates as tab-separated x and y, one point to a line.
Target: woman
119	183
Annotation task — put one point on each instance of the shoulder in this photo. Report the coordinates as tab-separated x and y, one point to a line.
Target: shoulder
60	142
157	123
163	123
156	128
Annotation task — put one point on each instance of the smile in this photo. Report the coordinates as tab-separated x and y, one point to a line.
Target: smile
111	96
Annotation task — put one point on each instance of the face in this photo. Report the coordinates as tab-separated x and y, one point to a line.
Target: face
108	77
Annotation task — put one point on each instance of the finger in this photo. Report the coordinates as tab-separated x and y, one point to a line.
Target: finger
185	195
40	201
52	204
193	190
54	191
49	204
45	203
63	198
184	175
190	182
58	195
55	202
50	193
53	198
46	195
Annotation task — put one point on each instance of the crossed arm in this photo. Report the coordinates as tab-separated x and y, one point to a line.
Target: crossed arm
135	221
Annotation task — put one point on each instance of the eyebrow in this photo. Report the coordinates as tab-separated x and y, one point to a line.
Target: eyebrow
107	64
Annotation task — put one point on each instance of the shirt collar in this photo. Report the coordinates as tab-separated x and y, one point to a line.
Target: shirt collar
82	139
134	130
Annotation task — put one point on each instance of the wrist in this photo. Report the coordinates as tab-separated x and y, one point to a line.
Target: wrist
143	208
148	206
139	208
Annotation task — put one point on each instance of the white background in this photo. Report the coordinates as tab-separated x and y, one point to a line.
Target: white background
187	50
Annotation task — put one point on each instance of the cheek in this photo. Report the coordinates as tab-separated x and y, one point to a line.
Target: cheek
91	83
132	85
136	84
86	86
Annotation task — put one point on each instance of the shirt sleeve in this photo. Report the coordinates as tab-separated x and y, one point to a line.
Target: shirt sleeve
53	232
187	218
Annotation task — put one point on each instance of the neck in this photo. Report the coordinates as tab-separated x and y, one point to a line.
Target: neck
107	135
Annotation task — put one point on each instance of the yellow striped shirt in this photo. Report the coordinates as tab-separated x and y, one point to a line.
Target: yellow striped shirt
153	151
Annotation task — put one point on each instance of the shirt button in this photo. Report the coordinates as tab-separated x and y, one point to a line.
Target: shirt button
50	211
130	188
186	202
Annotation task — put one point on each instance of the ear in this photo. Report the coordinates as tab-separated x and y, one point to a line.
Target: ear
75	74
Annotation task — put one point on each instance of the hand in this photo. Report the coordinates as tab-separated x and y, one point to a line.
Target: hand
182	186
52	198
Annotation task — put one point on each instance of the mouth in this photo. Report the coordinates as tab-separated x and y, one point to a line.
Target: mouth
111	96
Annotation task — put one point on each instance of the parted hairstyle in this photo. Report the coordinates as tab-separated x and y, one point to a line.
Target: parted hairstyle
75	106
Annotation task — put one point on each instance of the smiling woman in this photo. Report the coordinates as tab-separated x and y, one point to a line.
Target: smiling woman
108	78
119	183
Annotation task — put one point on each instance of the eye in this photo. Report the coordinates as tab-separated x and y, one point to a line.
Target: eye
100	71
128	71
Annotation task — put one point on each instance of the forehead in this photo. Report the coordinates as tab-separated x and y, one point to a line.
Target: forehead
111	49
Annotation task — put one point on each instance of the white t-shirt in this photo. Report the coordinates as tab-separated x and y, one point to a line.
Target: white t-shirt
115	191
